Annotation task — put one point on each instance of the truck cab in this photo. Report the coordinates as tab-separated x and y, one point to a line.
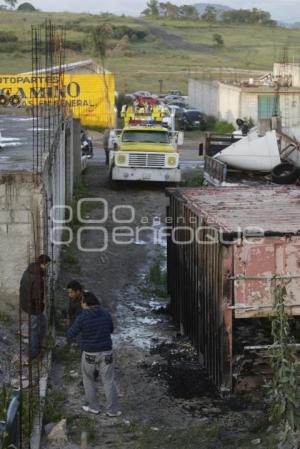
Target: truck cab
145	152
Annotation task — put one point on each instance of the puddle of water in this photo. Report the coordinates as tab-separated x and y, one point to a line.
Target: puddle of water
37	129
10	139
20	119
10	144
149	321
140	242
134	306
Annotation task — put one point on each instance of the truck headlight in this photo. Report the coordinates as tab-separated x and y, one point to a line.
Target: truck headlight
121	159
172	161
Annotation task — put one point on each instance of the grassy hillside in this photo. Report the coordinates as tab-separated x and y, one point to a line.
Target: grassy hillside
171	51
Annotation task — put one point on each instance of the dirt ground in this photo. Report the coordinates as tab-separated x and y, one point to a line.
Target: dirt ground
166	400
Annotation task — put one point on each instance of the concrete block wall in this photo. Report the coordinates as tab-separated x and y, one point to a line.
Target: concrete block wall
21	205
204	95
26	200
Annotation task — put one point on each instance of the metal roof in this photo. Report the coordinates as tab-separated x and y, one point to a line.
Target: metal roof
275	210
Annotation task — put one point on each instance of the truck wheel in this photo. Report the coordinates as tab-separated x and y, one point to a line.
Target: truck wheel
284	173
4	100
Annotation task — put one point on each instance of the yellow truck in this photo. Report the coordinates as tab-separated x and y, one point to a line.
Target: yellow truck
145	151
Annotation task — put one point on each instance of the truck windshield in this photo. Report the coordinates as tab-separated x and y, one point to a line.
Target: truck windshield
146	136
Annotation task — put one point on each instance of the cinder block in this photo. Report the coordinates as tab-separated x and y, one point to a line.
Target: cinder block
2	190
5	216
21	216
20	230
3	232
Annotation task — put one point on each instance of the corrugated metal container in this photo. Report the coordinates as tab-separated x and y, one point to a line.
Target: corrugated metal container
225	249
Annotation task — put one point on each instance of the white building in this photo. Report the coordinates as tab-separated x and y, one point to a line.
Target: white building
276	93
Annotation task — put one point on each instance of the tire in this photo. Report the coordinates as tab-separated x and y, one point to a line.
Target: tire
15	100
4	100
285	173
113	184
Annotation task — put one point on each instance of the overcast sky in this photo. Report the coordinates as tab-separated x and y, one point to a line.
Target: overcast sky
284	10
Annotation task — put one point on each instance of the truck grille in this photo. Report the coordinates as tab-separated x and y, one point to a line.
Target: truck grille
147	160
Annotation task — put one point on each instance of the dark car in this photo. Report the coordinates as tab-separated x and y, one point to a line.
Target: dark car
192	119
86	144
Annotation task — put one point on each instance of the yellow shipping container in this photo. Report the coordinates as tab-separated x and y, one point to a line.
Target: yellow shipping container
91	97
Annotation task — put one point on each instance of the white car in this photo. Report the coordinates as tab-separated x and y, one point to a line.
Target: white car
142	93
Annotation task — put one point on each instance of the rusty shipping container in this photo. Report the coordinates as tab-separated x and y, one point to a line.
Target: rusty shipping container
225	248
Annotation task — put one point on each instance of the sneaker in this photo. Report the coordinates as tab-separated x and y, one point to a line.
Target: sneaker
114	414
88	409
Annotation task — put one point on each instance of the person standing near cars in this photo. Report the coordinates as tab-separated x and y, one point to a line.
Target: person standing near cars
95	326
32	303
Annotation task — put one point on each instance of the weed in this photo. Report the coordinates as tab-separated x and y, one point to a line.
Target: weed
71	259
77	424
81	191
193	179
53	411
285	391
67	354
223	127
5	398
5	319
156	280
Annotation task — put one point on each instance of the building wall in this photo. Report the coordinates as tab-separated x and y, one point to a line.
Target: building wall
229	103
249	106
215	98
21	204
204	95
26	226
290	109
284	70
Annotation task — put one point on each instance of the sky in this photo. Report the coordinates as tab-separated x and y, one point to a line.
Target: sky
282	10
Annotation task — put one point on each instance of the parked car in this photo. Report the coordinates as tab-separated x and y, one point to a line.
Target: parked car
192	119
176	110
141	93
171	98
142	99
175	92
86	144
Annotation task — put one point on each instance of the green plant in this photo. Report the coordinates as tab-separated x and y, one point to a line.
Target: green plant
53	411
218	39
8	36
223	127
157	280
211	122
5	398
5	319
193	179
77	423
285	391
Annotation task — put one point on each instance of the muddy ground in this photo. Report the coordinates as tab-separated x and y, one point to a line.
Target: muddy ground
166	399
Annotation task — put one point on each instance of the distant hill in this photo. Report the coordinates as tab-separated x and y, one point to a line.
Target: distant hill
201	7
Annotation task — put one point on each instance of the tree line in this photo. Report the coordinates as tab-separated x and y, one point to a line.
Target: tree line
156	9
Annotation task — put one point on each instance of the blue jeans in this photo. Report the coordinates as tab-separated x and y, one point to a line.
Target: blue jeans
38	332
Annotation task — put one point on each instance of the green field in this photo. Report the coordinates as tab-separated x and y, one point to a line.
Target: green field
171	51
